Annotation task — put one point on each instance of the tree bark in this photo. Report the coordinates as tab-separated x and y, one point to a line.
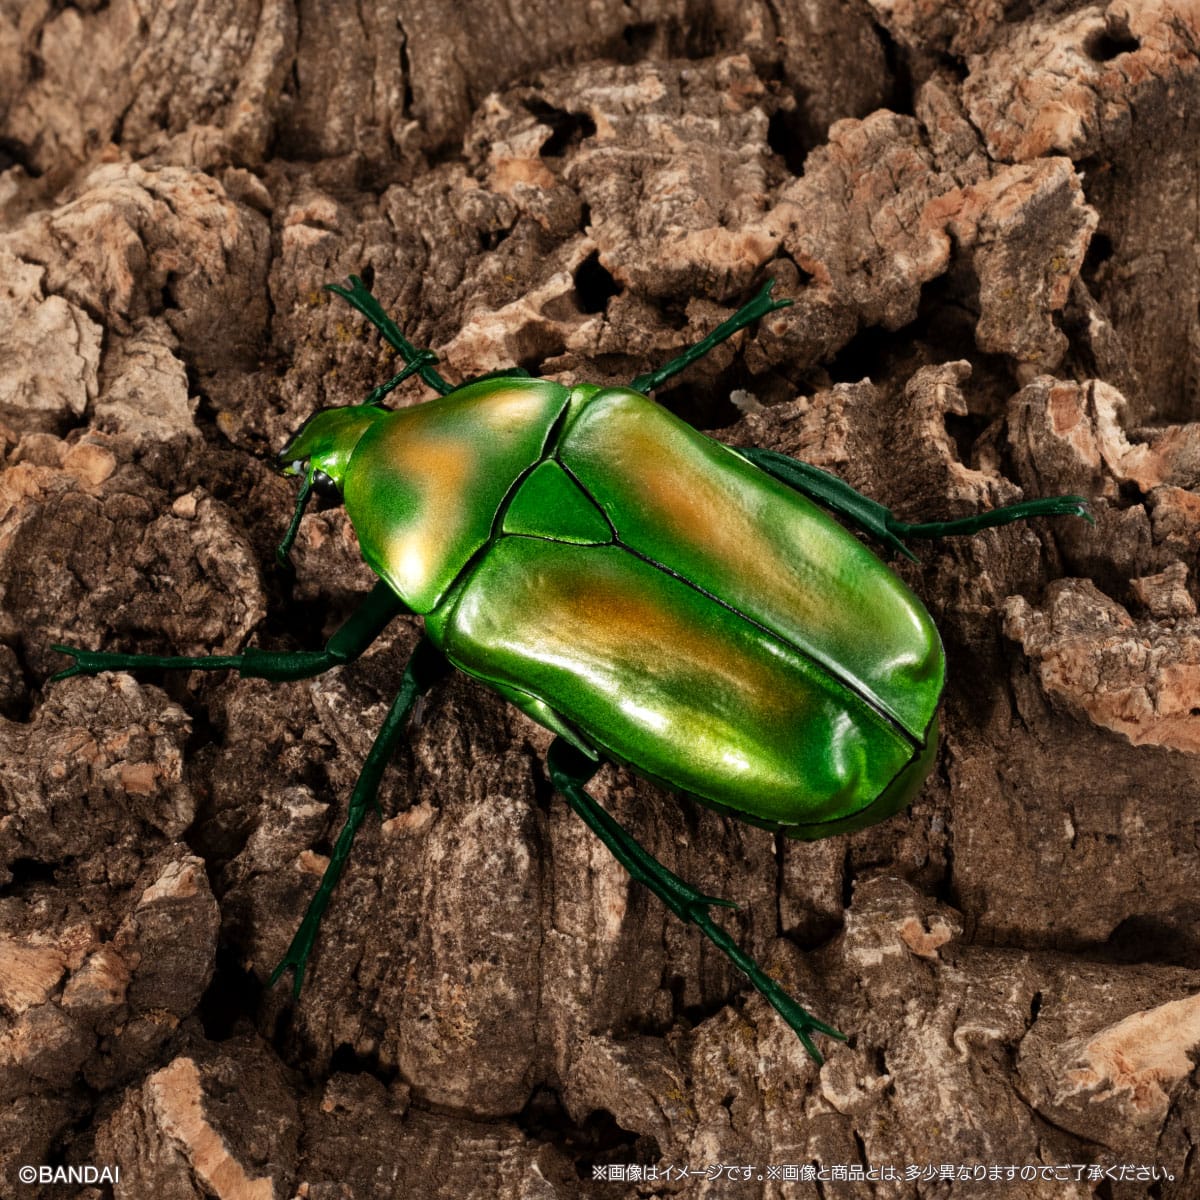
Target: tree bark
987	216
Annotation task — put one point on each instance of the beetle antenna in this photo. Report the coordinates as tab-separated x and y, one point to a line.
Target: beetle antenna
285	547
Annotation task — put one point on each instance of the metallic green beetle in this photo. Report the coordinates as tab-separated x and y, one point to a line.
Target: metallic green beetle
653	597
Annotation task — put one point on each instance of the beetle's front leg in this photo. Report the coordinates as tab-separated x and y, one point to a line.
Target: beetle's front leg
424	669
760	306
364	625
569	771
421	361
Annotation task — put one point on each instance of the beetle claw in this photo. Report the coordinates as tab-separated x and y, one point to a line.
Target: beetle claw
1075	506
297	967
296	962
67	672
85	662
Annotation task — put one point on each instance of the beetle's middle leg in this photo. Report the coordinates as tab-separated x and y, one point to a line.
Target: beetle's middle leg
570	769
363	626
424	669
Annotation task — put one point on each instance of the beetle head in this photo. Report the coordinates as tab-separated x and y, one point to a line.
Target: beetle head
325	442
320	452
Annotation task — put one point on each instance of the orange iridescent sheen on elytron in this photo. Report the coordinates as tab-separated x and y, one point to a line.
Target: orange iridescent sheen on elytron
646	665
760	546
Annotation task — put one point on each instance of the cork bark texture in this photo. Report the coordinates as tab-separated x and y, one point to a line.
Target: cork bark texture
987	216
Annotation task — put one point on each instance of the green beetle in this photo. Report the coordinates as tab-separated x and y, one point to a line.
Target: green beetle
653	597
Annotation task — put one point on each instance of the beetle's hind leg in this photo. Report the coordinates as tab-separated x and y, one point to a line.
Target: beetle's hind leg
569	771
746	315
424	669
876	519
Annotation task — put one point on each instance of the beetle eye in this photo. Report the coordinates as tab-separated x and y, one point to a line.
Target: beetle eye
325	487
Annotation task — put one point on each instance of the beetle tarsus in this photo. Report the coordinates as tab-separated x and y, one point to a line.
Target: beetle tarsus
93	662
1024	510
801	1021
878	521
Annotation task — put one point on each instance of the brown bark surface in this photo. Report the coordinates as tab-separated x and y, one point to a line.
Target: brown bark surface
987	215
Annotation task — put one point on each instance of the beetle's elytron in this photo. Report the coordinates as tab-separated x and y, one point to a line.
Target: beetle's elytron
653	597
